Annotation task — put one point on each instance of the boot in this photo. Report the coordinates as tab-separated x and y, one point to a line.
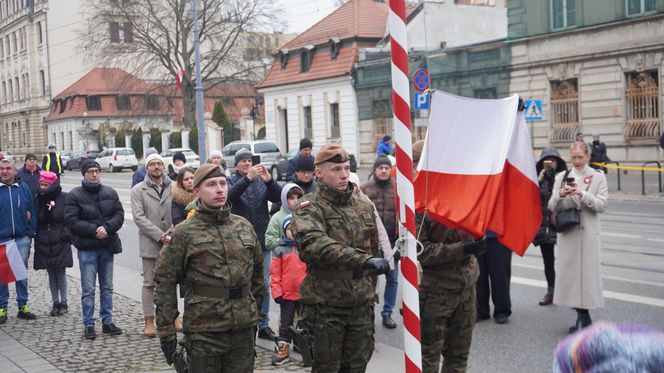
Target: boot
548	298
149	327
281	356
178	325
55	311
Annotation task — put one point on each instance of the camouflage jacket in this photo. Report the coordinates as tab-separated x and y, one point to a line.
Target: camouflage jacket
444	266
336	233
212	249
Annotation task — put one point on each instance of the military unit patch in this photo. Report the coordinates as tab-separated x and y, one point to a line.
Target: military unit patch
304	204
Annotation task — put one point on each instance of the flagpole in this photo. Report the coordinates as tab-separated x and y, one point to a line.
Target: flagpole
405	194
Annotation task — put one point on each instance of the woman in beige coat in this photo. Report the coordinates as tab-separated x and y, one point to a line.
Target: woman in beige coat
578	267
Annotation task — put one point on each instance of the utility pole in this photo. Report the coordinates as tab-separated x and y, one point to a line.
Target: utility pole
200	110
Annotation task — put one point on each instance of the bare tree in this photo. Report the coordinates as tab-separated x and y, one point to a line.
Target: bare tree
154	39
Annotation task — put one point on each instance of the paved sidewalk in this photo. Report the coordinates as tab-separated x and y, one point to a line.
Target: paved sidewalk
56	344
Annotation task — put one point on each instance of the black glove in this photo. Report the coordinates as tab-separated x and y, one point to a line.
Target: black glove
380	266
279	300
168	347
474	247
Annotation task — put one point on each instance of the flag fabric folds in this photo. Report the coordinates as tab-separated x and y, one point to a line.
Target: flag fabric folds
11	264
477	170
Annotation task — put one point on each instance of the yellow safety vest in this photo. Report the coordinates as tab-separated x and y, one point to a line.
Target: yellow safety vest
57	161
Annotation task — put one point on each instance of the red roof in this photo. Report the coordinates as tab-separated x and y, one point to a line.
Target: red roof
102	80
357	24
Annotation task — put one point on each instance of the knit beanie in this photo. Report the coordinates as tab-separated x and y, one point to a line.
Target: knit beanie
216	154
180	156
387	138
242	154
305	164
153	157
47	177
87	164
150	150
306	143
382	160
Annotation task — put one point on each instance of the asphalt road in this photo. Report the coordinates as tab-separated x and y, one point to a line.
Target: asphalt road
633	273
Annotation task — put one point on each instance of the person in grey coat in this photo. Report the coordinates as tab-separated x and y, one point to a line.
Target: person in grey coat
151	208
579	277
251	187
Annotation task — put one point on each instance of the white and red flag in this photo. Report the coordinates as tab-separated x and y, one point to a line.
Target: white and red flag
11	264
179	78
477	170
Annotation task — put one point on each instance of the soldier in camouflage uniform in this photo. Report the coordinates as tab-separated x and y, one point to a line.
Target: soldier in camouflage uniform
337	236
218	255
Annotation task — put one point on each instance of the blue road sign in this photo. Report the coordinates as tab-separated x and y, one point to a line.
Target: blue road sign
421	80
533	109
421	101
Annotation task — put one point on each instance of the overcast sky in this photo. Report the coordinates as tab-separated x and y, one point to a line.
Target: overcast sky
302	14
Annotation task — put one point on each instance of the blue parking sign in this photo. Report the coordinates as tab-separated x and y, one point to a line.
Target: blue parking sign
421	101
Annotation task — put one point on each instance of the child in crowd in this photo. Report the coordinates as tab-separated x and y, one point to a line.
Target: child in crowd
287	272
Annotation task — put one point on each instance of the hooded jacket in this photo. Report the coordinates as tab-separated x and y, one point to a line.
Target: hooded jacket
249	200
287	271
30	178
53	240
15	202
273	233
546	234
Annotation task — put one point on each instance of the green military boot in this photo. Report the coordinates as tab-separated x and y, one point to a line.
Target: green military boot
24	313
3	315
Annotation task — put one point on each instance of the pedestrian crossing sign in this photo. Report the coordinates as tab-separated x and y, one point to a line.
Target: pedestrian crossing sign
533	109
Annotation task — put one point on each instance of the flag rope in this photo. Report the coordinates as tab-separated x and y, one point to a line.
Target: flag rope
405	192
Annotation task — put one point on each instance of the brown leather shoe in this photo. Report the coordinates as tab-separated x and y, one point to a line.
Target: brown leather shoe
149	327
548	299
178	325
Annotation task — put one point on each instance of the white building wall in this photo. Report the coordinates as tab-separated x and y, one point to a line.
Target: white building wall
66	59
322	92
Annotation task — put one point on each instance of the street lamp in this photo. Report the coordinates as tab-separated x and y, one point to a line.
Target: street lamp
200	119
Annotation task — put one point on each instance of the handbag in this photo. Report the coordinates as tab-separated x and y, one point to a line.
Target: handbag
568	218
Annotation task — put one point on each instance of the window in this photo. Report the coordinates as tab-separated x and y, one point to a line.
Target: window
14	44
485	93
564	110
93	103
128	34
17	85
151	102
283	59
335	45
2	49
26	84
335	130
563	14
266	147
308	123
4	92
637	7
306	56
115	32
123	103
484	57
40	36
10	90
642	97
63	105
42	80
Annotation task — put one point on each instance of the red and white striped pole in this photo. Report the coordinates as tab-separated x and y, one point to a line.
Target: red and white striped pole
405	193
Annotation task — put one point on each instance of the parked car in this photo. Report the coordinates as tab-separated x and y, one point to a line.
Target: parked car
115	159
65	156
280	168
78	157
7	154
193	160
267	150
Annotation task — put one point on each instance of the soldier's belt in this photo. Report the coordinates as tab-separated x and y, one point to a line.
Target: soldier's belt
219	292
331	274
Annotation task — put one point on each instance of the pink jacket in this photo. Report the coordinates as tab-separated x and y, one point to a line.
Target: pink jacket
287	272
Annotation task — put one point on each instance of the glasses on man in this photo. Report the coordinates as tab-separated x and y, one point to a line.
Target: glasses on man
93	171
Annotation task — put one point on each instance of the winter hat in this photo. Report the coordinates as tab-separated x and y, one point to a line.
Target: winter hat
150	150
154	157
595	136
306	143
305	164
30	155
47	177
417	151
51	146
87	164
382	161
180	156
215	154
387	138
242	154
287	221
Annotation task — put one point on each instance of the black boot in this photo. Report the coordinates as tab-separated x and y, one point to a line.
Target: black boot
582	320
63	308
55	311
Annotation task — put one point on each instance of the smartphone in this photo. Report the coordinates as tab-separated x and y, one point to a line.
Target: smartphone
256	159
570	181
548	164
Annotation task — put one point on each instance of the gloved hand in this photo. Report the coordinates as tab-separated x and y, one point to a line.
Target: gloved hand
168	347
380	266
474	247
279	300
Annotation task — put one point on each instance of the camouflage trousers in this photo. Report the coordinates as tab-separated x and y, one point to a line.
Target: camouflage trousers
221	352
447	319
343	337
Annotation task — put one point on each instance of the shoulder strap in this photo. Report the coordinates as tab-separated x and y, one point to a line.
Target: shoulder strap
564	177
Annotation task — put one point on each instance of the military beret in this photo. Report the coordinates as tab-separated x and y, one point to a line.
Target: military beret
417	151
207	171
331	153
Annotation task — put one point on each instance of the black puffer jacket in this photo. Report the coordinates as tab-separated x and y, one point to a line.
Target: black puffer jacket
53	242
546	234
82	215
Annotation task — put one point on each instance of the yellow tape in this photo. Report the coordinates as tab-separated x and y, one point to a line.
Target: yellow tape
633	168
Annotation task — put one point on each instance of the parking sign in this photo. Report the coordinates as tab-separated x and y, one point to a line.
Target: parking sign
421	101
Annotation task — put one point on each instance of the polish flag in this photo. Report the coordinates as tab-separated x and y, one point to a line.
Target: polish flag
179	78
477	170
11	264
